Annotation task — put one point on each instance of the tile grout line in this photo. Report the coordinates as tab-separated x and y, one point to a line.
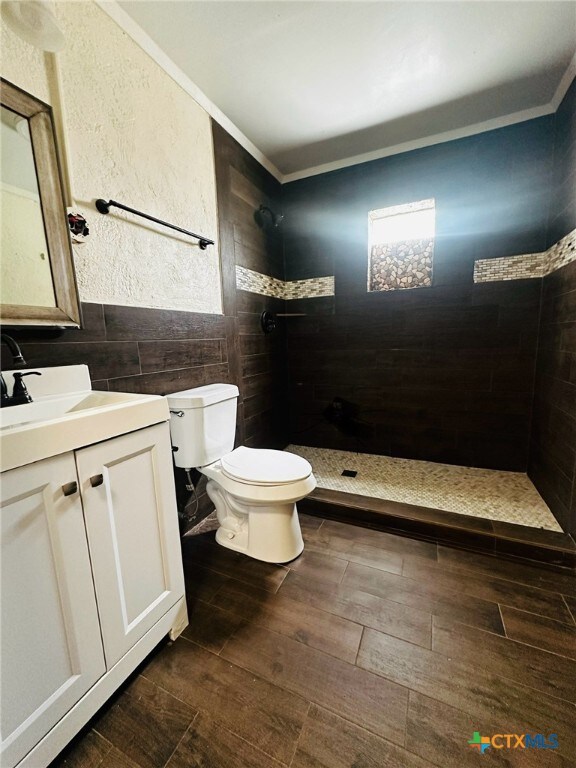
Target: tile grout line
460	661
390	600
544	650
238	578
454	590
502	620
481	573
254	746
526	589
406	720
190	725
341	580
357	623
563	596
448	655
238	666
300	734
359	646
326	706
110	748
533	613
282	582
246	622
409	578
324	653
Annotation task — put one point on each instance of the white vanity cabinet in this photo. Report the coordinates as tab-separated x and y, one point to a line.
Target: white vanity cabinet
91	581
129	503
51	652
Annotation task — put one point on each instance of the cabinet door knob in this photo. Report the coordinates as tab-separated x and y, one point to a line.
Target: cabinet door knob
96	480
69	489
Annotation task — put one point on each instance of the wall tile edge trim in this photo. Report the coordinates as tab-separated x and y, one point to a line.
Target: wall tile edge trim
527	265
256	282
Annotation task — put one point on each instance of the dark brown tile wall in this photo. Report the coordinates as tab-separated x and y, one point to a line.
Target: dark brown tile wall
443	373
134	349
242	186
552	465
434	375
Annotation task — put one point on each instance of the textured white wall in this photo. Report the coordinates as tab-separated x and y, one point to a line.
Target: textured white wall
137	137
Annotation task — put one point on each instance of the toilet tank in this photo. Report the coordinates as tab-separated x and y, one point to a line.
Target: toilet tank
202	424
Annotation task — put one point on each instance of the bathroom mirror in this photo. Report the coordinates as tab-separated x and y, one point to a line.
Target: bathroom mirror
37	282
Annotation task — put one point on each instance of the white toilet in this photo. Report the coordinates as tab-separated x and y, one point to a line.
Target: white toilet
254	490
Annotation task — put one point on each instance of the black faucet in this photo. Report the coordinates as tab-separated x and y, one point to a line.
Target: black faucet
12	344
20	394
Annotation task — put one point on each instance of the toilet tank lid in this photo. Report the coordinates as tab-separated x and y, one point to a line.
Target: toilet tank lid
199	397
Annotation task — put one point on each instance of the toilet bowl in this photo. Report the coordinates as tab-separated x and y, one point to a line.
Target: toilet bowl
254	490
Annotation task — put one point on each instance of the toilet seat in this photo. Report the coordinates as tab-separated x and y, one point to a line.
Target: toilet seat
260	466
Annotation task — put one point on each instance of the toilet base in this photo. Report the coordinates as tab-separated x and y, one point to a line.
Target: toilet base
267	532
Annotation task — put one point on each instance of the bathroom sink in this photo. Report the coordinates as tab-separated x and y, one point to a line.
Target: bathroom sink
58	407
66	414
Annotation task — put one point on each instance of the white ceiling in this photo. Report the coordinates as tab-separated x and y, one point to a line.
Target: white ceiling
314	83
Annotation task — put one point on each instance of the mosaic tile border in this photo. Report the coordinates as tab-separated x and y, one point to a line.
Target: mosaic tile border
562	253
527	265
256	282
312	288
521	267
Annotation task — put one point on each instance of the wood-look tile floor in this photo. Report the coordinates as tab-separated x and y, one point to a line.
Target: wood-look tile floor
369	651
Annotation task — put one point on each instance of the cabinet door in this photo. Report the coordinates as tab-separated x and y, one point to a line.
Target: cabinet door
132	522
51	651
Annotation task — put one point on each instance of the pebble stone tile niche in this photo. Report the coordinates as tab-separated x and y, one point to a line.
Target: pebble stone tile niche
407	264
401	246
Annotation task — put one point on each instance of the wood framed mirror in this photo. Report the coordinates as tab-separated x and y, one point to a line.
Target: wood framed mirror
37	280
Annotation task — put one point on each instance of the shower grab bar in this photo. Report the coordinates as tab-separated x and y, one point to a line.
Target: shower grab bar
104	206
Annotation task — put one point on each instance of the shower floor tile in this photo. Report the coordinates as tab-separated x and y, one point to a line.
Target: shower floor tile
509	497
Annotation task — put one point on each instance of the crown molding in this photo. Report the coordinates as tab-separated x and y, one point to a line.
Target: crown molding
425	141
564	84
144	41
